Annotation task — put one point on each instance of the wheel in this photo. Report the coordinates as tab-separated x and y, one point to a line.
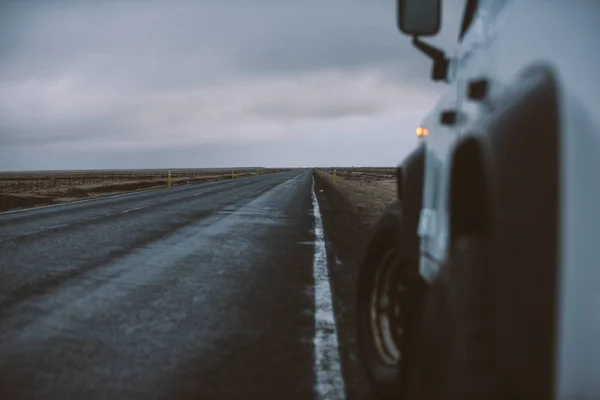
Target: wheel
456	349
389	292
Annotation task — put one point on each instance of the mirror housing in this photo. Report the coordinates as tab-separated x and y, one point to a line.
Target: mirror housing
419	17
439	70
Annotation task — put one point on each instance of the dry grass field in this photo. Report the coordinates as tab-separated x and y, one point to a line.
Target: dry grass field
368	190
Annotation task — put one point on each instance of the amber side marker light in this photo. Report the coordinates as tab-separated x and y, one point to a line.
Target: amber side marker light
422	132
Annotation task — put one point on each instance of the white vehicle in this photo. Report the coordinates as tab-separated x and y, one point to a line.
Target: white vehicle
483	280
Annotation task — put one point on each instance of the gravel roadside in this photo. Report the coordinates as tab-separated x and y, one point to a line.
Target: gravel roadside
348	208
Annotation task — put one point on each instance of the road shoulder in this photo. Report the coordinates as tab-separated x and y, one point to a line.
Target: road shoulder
346	234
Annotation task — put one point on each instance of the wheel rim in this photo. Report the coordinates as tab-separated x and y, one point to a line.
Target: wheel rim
386	311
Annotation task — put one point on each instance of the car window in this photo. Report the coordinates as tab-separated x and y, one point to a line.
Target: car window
492	8
468	16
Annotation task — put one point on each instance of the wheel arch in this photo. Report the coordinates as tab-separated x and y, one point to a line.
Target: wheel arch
469	207
410	178
505	185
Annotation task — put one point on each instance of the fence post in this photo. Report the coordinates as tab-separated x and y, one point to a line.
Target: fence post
169	179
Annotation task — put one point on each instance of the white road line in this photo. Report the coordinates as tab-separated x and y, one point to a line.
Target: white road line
328	368
133	209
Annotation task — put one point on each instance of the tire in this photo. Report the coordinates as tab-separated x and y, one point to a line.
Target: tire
456	349
390	293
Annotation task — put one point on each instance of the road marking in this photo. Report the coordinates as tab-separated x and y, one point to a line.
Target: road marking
133	209
328	368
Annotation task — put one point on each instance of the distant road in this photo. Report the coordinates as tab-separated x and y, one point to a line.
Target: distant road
200	291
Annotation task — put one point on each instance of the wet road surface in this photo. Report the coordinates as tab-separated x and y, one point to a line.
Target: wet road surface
201	291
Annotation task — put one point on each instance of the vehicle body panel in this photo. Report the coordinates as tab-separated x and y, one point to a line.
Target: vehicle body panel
506	38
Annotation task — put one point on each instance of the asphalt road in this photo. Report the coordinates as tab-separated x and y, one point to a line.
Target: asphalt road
201	291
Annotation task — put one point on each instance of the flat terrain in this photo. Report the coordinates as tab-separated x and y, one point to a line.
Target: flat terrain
37	188
198	291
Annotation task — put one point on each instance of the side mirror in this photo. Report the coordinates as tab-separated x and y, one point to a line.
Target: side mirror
439	71
419	17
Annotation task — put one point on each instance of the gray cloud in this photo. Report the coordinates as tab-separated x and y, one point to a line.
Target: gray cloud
106	78
315	110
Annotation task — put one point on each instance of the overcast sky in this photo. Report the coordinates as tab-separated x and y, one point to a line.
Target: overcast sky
210	83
